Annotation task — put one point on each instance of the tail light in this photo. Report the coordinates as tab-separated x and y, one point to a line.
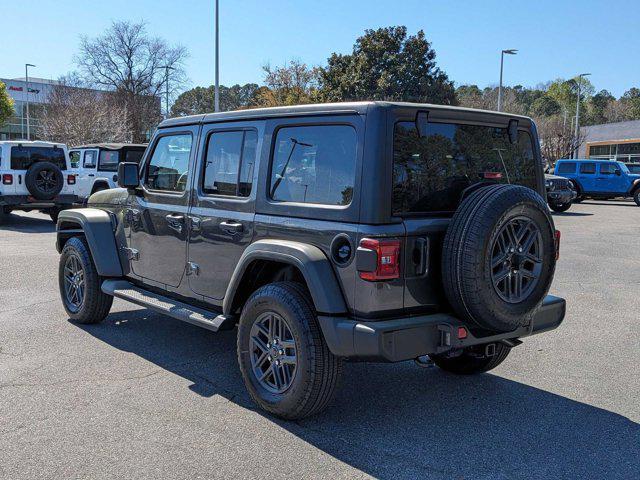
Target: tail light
557	235
71	179
386	265
7	179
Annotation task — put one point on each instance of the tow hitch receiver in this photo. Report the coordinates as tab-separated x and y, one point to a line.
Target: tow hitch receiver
490	350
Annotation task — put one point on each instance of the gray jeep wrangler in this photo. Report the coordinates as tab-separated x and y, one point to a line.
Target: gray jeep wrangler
375	231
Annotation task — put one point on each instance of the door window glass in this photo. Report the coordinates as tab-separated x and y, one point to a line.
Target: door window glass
567	167
314	164
89	159
588	168
608	168
168	167
228	168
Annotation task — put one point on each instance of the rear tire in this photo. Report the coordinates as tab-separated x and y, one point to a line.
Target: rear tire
636	197
472	360
305	380
80	284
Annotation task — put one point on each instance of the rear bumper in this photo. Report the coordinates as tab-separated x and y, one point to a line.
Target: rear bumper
26	202
406	338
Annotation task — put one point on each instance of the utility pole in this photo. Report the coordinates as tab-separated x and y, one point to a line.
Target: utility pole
166	79
577	131
510	51
217	61
26	77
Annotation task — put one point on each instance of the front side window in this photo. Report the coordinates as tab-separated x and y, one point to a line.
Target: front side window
89	159
169	165
109	160
431	172
314	164
588	168
567	167
608	168
23	157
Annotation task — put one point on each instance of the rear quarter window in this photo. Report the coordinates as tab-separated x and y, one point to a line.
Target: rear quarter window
431	172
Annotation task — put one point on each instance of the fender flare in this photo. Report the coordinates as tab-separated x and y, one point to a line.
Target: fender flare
98	228
310	260
634	186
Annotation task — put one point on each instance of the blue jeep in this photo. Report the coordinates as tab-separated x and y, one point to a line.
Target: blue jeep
599	178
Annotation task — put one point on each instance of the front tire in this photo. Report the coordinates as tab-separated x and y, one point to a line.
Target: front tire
80	283
284	360
560	207
636	197
472	360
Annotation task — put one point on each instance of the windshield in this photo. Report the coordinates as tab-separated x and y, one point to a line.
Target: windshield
430	172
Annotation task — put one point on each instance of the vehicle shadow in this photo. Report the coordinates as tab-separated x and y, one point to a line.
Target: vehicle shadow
27	224
402	421
571	214
612	203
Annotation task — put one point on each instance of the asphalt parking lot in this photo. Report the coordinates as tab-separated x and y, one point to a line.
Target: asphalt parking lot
144	396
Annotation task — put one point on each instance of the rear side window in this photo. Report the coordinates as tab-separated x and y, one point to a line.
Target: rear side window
74	158
229	163
431	172
567	167
168	167
109	160
22	157
588	168
314	164
89	160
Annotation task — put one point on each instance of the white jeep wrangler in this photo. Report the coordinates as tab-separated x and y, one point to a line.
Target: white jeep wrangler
97	165
35	175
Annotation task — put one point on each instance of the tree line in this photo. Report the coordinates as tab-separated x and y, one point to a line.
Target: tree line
124	75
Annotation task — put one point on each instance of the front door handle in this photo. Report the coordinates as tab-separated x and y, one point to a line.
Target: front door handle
176	222
231	227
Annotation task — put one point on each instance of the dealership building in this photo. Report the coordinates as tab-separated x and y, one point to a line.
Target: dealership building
614	141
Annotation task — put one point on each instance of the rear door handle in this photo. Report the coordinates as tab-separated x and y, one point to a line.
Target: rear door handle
176	222
231	227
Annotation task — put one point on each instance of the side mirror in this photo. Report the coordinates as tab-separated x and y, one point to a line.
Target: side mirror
618	172
128	175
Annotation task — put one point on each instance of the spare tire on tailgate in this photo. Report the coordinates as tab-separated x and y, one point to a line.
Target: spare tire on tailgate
44	180
499	257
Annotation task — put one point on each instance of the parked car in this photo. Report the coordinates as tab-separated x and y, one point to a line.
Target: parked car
602	179
35	176
97	164
376	231
633	168
560	194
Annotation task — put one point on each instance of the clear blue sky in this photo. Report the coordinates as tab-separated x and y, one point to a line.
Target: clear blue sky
556	38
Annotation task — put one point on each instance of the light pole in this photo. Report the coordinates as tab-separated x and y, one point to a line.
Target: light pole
166	86
26	77
510	51
577	132
216	100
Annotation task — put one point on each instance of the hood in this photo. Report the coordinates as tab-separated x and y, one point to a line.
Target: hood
112	196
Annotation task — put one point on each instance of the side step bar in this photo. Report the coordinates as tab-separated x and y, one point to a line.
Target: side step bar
168	306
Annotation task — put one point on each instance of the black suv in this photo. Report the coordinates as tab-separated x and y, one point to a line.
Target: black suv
377	231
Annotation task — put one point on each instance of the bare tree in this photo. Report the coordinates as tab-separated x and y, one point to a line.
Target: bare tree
77	115
557	138
137	67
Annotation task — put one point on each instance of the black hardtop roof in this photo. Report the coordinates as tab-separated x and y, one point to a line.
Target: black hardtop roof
111	146
360	108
